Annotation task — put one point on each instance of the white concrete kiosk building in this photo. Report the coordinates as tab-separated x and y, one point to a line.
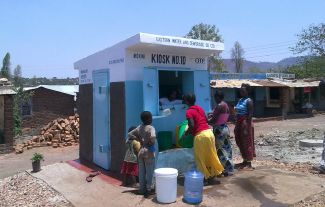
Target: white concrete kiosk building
118	83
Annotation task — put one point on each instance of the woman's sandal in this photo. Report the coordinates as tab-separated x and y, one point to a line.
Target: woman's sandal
226	174
136	185
245	169
239	165
89	178
208	181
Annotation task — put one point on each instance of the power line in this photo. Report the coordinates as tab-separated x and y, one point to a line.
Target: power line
249	54
264	46
269	55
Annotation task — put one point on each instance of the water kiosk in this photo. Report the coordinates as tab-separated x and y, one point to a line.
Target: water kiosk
119	82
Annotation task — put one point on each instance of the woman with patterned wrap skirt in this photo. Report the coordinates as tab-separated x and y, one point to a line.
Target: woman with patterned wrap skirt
244	129
219	120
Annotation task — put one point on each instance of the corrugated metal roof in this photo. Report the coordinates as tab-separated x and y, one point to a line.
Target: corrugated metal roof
230	83
297	83
262	83
67	89
5	90
268	83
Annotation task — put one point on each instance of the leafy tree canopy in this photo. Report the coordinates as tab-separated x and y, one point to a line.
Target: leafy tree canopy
17	76
311	40
5	70
255	70
209	33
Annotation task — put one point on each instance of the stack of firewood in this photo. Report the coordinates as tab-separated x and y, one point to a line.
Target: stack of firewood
58	133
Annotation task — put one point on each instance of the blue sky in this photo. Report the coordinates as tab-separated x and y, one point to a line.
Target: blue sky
47	36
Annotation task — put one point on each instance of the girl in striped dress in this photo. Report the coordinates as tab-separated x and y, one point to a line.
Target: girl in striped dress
244	129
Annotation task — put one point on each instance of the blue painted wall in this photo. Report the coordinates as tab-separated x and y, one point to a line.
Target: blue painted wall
260	93
134	103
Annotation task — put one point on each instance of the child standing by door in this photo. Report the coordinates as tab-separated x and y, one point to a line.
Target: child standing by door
130	164
147	135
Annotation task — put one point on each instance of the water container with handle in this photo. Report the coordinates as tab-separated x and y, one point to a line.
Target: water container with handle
193	186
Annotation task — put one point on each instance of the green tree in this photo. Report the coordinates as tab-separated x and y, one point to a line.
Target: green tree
5	70
20	96
33	81
209	33
312	67
254	70
272	70
17	76
237	56
311	40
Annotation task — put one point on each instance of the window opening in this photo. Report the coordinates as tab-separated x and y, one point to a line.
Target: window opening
25	109
174	84
274	94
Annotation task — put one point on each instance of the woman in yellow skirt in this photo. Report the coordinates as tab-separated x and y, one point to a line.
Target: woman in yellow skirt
205	153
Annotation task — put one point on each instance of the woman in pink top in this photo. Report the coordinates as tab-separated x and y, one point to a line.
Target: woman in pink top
219	119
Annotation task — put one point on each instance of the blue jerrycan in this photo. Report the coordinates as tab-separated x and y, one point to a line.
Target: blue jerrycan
193	186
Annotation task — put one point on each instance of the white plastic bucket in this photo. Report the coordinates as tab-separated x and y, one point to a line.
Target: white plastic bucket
166	184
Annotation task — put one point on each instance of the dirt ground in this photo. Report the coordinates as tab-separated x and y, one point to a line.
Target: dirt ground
11	164
279	140
277	146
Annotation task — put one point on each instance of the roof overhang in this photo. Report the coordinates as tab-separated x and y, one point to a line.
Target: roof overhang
298	83
176	45
231	83
262	83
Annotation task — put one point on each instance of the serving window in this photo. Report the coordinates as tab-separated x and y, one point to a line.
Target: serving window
175	80
157	82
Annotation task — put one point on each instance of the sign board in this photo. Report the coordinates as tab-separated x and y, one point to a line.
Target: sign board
181	42
280	75
227	76
307	89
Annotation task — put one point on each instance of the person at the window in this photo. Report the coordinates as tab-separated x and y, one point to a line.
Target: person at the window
171	97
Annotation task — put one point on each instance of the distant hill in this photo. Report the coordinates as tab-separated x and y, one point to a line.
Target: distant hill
261	65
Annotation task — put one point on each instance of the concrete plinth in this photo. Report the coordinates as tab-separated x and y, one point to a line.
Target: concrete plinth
181	159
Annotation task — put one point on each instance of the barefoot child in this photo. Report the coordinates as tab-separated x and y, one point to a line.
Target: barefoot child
147	135
130	164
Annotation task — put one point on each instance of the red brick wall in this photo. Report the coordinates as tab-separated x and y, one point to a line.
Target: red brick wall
8	125
283	98
48	105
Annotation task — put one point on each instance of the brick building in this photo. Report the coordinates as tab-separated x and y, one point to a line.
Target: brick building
49	102
6	119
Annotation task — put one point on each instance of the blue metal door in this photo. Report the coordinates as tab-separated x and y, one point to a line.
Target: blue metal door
202	89
150	90
101	107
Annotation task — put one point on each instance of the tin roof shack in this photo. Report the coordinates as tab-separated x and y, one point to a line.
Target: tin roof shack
6	117
119	82
49	102
302	92
269	98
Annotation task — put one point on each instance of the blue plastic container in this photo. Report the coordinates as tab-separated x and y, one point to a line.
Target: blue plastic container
152	148
193	186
